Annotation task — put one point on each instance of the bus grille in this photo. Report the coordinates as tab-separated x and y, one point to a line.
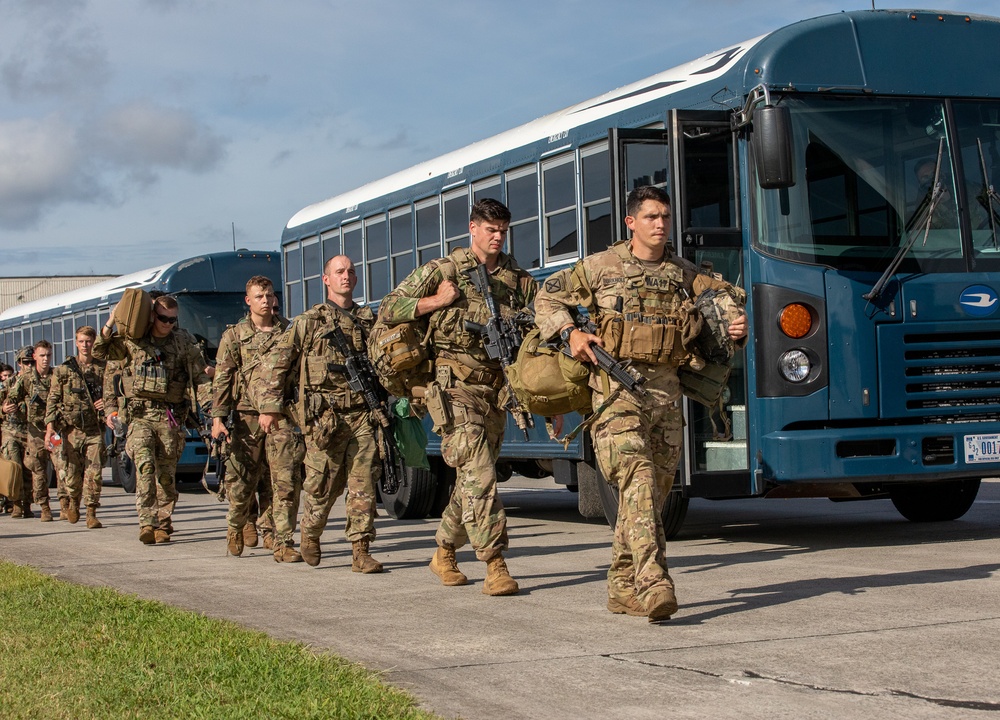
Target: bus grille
950	371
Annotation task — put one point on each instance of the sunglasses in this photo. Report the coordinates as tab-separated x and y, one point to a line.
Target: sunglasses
165	319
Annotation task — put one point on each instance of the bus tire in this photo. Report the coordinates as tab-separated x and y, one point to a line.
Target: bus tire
935	502
414	497
674	510
123	472
588	499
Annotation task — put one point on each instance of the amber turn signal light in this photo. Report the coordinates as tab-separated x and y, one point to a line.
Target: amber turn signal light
795	321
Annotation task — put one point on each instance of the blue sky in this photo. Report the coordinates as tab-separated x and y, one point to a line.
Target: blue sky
138	132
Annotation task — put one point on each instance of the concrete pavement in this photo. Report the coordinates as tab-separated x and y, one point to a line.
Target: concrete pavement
789	608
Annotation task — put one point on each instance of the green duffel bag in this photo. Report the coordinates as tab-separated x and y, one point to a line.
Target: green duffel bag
547	382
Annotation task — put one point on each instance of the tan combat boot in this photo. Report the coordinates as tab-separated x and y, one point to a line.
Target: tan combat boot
250	537
73	510
268	540
92	522
63	508
146	535
161	536
626	606
661	603
362	561
286	555
498	580
234	542
46	512
444	565
310	550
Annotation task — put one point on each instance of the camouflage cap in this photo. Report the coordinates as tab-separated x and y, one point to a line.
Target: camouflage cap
26	353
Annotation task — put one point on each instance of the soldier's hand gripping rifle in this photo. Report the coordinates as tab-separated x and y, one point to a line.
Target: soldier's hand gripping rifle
361	378
502	339
219	450
622	373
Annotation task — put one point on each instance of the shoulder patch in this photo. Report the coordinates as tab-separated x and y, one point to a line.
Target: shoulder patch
554	284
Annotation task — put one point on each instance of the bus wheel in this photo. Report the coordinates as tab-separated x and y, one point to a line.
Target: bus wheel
674	510
415	495
123	472
935	502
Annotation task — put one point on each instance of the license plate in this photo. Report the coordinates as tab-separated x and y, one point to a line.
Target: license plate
982	448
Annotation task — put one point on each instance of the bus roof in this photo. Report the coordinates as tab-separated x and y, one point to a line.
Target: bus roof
159	277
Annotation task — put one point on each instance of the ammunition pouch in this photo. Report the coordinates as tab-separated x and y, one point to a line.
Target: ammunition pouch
706	383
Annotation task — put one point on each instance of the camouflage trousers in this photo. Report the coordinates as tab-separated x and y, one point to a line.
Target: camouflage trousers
248	485
84	456
13	450
471	445
154	446
285	452
638	449
340	452
36	460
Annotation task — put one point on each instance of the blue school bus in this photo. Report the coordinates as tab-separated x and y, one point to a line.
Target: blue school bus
845	181
210	291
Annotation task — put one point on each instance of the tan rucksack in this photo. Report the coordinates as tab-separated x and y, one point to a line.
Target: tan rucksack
134	313
546	381
11	479
401	356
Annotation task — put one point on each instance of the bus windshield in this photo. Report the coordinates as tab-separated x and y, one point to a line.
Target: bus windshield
207	315
865	171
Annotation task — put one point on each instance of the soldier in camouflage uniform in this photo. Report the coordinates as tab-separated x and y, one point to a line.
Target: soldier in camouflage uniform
639	288
161	366
237	373
339	429
75	409
464	398
14	429
32	388
6	374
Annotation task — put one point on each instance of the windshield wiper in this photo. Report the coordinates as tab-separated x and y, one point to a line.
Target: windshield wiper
913	228
988	196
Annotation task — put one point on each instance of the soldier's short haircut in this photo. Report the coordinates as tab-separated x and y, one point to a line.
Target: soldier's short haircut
167	302
489	210
43	344
86	330
643	193
5	368
259	281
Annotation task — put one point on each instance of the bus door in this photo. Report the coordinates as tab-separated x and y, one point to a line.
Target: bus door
694	161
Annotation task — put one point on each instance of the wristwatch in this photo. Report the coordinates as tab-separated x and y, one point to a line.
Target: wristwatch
566	332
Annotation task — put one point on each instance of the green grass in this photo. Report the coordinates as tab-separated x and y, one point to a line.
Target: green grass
68	651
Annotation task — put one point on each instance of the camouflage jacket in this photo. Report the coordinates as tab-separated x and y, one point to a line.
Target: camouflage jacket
32	390
161	369
303	349
14	424
72	395
618	287
513	288
239	363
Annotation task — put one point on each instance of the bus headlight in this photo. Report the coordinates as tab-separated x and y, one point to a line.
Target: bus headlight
794	366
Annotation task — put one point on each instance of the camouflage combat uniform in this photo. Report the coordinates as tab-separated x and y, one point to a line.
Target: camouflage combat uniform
32	389
470	383
160	372
14	429
338	429
70	409
641	311
237	372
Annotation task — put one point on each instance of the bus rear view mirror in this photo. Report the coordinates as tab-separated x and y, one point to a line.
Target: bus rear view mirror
772	147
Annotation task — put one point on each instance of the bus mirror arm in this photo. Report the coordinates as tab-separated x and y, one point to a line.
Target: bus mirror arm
771	138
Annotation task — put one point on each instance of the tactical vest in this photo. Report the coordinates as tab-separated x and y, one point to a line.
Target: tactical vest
36	396
159	372
250	347
322	379
80	389
653	317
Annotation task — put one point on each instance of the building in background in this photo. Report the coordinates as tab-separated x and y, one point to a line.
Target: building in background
17	290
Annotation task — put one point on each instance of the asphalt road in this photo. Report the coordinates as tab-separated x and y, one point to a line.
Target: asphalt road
789	608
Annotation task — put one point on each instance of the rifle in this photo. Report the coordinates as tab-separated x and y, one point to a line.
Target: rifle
219	450
502	339
622	372
361	378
